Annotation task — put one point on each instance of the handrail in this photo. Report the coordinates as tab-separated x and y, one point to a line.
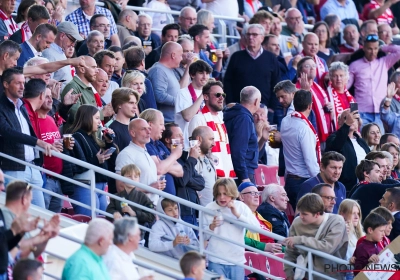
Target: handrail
200	208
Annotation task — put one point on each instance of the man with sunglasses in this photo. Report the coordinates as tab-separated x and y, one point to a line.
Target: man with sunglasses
369	75
66	38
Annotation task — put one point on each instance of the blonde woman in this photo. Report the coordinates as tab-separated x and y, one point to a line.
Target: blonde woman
135	80
350	210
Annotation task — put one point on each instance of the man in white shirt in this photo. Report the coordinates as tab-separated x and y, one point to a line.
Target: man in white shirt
190	100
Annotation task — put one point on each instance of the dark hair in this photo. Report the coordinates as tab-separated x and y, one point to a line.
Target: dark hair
374	155
302	100
8	74
171	26
286	85
167	133
312	203
328	156
168	202
330	19
44	29
34	88
51	2
384	212
189	260
25	268
317	188
267	37
37	12
99	56
318	24
210	84
394	196
365	166
300	64
197	30
9	47
384	138
92	21
16	190
23	8
373	221
365	130
199	66
134	56
116	49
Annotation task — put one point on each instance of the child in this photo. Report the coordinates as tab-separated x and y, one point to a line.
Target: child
367	251
225	193
167	237
193	265
119	209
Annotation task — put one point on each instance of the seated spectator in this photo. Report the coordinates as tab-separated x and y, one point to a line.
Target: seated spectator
207	19
387	215
390	200
126	25
168	237
325	191
390	119
193	265
344	9
274	203
105	60
261	17
367	251
95	42
334	25
371	134
389	138
331	170
118	258
149	39
351	37
294	25
225	194
348	142
135	80
100	87
382	160
87	261
368	27
318	230
159	19
350	210
187	18
250	196
389	166
188	57
85	130
7	24
380	11
287	43
27	269
394	150
322	30
385	33
119	70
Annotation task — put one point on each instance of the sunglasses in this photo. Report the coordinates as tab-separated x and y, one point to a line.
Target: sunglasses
372	38
219	94
27	189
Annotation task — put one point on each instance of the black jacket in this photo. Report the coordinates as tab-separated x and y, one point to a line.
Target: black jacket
12	140
17	37
278	219
396	227
340	142
188	185
153	57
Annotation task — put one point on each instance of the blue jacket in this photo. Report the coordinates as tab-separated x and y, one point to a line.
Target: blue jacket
340	190
396	227
242	135
391	120
278	219
26	54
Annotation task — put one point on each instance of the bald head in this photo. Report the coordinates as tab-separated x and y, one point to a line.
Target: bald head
89	64
171	55
201	131
102	74
310	36
205	136
136	123
169	48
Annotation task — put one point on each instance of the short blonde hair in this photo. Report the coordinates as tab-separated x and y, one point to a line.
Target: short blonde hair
150	115
130	76
230	186
130	169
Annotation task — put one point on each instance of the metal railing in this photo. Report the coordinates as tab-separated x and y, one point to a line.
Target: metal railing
202	230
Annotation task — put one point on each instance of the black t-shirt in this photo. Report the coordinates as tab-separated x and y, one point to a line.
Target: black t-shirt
122	137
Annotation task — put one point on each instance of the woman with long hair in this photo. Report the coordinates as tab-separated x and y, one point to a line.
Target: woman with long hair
371	133
322	31
350	210
394	150
85	132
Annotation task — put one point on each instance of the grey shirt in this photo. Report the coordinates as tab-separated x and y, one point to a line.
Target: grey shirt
166	87
55	53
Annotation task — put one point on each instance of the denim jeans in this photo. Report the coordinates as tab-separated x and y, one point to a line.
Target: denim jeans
83	195
372	117
33	177
292	186
52	203
232	272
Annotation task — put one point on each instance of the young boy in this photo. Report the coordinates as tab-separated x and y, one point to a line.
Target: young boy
367	251
318	230
119	209
170	238
193	265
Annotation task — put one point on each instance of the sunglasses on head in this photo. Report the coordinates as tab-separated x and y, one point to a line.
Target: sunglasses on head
372	38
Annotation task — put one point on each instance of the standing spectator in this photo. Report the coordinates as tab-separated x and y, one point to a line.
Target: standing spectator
334	24
261	17
385	33
369	76
294	24
253	66
351	37
41	39
391	201
7	24
207	19
36	15
395	103
390	119
159	19
166	86
126	25
345	9
119	70
27	269
394	150
149	39
318	230
324	38
81	17
372	135
225	194
331	170
87	261
193	265
135	80
187	18
106	60
188	57
368	27
380	11
242	134
301	145
389	138
95	42
348	142
211	116
204	165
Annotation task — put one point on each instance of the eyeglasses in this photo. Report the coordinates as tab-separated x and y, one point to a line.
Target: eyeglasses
330	198
219	94
252	34
253	193
372	38
295	18
72	39
307	66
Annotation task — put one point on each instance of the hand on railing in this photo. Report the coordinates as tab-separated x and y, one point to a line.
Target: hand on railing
273	247
58	144
46	146
289	242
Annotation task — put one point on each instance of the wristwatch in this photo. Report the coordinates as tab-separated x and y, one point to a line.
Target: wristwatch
388	99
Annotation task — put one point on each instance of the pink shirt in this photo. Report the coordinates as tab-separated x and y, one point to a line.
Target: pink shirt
370	79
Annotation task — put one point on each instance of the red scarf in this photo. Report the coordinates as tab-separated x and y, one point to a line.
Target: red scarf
192	92
339	106
320	65
72	71
317	144
12	27
396	97
394	174
98	100
26	33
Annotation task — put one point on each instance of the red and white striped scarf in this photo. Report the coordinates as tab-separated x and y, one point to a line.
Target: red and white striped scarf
317	144
339	106
221	150
26	32
320	66
12	27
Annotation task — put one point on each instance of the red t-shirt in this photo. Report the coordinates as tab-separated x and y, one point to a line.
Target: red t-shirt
345	102
386	17
263	238
49	132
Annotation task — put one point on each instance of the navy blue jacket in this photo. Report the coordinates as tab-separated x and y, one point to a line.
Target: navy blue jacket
278	219
26	54
340	190
242	135
396	227
286	73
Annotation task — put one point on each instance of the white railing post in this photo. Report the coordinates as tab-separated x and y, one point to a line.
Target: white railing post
93	193
201	232
222	30
310	266
170	18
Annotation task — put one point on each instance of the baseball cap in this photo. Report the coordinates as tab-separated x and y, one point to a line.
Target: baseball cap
244	185
69	28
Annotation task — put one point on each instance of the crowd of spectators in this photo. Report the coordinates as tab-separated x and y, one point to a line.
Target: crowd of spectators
171	106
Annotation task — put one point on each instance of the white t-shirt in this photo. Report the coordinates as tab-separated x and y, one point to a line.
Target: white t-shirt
159	19
184	101
120	264
108	95
360	153
229	8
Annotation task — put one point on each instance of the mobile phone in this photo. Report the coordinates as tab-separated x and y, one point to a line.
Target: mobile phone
62	81
353	106
111	150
